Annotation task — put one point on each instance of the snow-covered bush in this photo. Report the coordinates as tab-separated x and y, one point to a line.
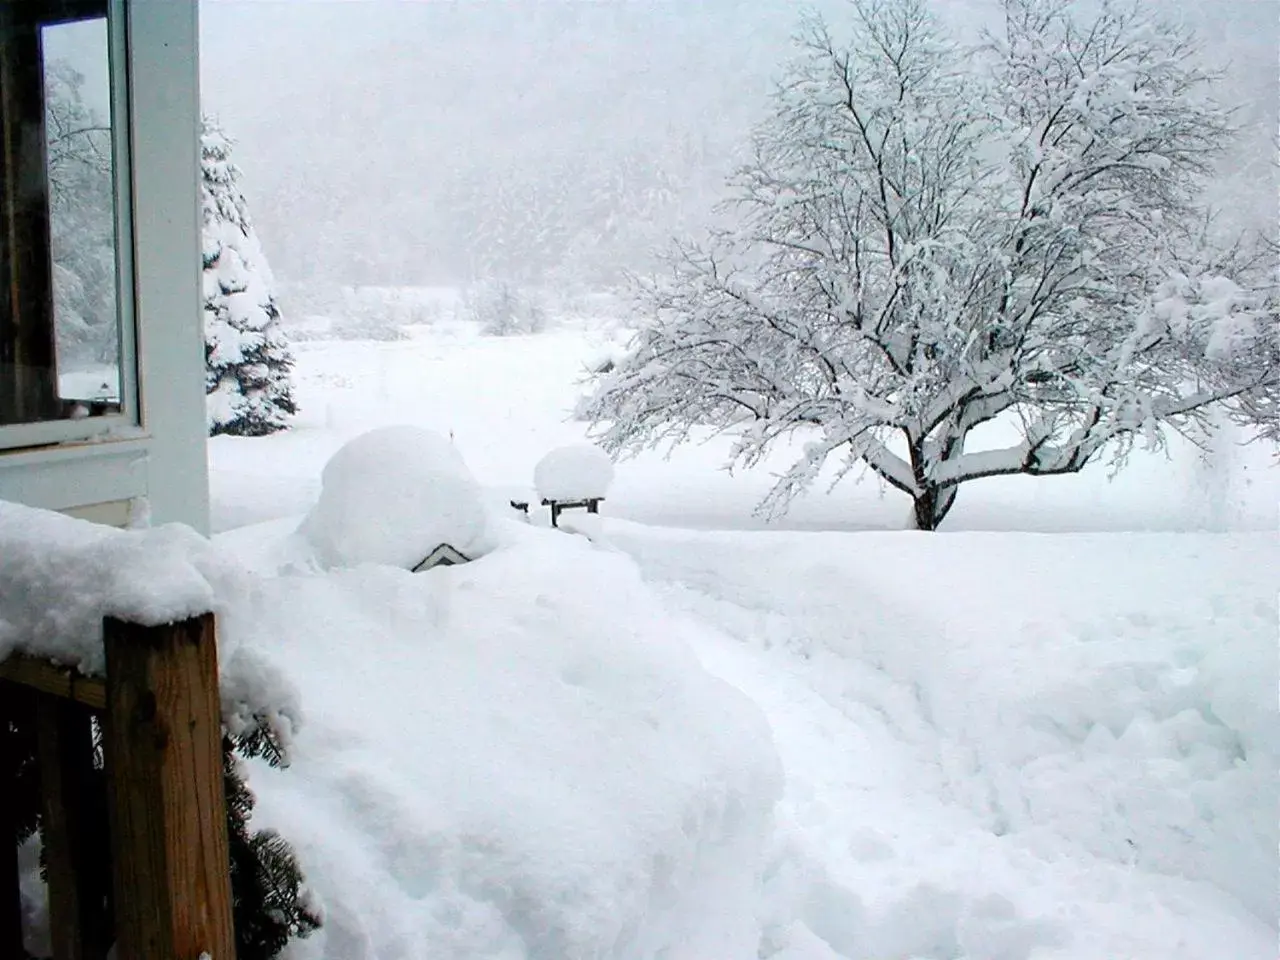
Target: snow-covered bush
579	472
503	309
248	362
393	495
366	326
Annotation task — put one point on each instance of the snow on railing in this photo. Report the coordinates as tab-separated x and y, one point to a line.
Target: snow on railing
110	695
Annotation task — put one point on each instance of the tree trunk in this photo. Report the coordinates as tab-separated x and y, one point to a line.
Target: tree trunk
932	506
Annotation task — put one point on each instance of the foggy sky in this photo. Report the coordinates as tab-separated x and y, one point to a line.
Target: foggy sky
367	128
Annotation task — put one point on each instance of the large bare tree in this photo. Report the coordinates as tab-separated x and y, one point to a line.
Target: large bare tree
934	239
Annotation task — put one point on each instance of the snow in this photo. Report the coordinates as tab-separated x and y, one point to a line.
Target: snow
393	495
1080	728
443	380
61	576
579	472
995	744
519	757
1047	733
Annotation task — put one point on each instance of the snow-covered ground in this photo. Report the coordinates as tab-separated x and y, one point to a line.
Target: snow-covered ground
1049	733
505	401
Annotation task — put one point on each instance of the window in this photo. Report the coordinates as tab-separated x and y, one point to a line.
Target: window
66	338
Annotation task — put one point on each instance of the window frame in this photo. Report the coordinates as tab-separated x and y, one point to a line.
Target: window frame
127	423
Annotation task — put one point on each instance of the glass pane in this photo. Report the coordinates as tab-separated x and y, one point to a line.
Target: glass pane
59	315
82	228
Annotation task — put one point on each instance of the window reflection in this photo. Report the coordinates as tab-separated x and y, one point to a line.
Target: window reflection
60	337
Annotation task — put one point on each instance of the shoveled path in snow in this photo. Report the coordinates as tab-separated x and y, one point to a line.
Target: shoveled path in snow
892	840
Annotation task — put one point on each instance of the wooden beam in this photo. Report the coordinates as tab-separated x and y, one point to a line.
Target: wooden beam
58	681
10	895
167	808
78	922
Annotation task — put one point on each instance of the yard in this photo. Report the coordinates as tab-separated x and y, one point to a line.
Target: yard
1046	732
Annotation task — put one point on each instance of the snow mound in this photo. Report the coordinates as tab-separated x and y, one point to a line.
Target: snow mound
393	495
61	576
516	758
578	472
520	757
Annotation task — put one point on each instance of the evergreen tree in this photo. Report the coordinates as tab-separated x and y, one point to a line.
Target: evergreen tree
248	361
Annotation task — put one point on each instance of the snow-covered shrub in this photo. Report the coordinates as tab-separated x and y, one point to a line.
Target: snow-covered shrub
579	472
366	325
502	309
328	311
248	362
393	495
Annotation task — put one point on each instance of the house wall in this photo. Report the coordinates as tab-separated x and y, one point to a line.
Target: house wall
165	90
165	461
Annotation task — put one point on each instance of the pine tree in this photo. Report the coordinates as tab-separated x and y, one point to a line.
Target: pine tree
248	361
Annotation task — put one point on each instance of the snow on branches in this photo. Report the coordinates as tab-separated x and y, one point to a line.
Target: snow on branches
931	238
248	362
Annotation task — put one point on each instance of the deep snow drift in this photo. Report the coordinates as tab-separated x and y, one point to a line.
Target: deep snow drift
516	758
1004	745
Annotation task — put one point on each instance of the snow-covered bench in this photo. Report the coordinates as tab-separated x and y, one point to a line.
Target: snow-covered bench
571	478
592	505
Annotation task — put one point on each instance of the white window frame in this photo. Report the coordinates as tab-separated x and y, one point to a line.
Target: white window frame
126	424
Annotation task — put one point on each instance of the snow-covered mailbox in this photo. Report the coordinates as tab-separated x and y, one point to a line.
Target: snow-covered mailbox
101	353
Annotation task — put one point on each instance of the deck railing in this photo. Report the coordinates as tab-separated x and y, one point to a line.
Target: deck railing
159	887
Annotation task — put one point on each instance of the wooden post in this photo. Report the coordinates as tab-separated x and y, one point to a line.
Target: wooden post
167	809
10	894
78	921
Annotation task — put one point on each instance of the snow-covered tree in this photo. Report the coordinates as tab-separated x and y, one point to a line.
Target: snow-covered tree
82	221
933	240
249	364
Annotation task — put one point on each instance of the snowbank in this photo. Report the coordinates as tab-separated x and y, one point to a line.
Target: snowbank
1004	742
579	472
393	495
519	757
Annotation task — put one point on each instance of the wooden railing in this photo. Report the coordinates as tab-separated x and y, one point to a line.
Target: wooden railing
160	888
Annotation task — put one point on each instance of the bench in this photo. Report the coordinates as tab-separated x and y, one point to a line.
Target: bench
590	504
